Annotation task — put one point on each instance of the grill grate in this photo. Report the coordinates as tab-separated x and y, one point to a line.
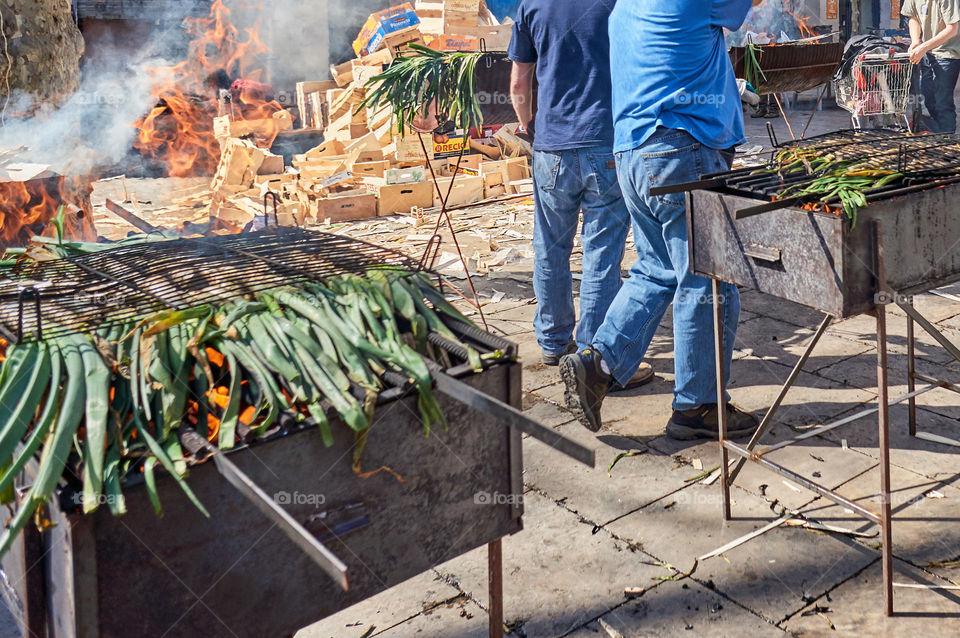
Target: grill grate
127	283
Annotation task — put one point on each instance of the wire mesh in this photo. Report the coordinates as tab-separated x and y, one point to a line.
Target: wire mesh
878	84
121	284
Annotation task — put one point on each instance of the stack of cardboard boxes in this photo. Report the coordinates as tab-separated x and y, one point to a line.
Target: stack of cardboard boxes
364	168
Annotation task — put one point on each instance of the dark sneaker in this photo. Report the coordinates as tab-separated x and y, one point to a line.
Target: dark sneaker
553	360
587	385
703	423
643	376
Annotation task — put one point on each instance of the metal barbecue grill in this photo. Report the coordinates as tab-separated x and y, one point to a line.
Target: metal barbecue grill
905	241
106	288
353	541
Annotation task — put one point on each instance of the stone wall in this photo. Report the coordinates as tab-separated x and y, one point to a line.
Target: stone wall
40	49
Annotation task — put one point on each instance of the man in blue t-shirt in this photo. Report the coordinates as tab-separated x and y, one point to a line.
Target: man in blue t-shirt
677	116
564	44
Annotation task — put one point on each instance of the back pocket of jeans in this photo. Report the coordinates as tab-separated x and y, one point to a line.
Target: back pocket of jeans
546	167
672	167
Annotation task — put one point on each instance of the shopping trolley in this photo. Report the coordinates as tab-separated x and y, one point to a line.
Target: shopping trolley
878	85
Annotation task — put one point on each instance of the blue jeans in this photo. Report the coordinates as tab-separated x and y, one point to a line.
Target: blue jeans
938	82
661	274
566	183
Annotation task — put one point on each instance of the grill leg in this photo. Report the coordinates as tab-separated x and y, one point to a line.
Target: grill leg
884	423
495	582
912	370
718	329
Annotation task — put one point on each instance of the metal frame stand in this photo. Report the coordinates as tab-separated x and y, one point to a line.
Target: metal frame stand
751	452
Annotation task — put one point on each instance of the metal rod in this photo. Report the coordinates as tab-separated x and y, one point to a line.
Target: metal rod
468	395
883	418
930	329
495	585
945	385
841	422
686	187
720	359
804	482
784	114
823	92
322	556
912	371
769	207
768	418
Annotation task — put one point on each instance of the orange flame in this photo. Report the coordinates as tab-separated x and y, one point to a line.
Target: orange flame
179	132
27	207
802	23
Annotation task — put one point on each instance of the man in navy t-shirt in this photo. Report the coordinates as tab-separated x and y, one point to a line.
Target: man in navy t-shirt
677	116
564	43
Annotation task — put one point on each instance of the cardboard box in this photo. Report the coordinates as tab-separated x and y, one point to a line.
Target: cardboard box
347	207
466	190
400	198
382	24
509	170
452	42
495	38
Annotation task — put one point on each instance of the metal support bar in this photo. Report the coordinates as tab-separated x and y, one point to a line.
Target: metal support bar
306	541
883	418
495	583
940	383
287	524
841	422
768	418
721	359
468	395
930	329
804	482
912	370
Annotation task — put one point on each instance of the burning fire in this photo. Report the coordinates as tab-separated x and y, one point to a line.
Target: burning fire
26	208
803	23
179	131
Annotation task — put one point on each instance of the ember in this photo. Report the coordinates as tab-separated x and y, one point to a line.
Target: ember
179	131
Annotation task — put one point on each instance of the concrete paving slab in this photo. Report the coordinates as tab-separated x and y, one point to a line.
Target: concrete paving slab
777	340
460	618
387	609
923	457
634	482
558	573
864	329
855	608
681	609
926	514
755	384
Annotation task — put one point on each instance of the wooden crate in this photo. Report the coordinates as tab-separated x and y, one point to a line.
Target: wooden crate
347	207
466	190
370	169
400	198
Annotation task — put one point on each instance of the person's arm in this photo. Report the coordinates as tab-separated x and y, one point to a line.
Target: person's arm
523	54
916	33
730	14
521	92
917	53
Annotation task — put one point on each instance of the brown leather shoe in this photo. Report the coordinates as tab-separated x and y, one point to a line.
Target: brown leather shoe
643	376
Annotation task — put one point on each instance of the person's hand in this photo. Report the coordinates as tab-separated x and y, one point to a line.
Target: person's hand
526	134
917	52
